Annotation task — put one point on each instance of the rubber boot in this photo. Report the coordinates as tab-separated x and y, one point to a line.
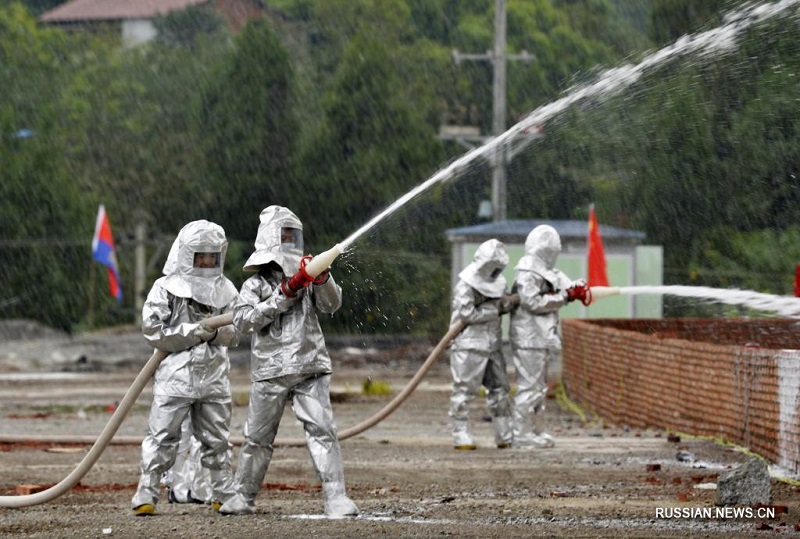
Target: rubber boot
461	437
146	497
533	441
502	431
337	504
538	428
529	434
238	505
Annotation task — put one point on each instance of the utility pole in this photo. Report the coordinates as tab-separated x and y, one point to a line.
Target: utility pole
499	180
139	271
499	59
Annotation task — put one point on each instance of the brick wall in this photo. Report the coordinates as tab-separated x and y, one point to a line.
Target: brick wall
734	379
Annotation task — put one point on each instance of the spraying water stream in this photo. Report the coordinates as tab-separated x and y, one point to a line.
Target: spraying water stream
720	39
782	305
717	40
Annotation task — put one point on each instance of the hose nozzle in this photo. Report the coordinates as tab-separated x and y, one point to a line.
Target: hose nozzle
310	269
322	261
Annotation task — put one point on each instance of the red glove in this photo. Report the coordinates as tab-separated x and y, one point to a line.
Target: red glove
301	279
580	291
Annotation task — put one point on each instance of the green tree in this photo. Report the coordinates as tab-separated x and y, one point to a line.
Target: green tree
134	143
248	126
601	21
762	260
35	7
695	153
671	19
635	12
46	222
375	147
185	26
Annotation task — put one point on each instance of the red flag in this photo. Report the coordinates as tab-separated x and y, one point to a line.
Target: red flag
596	260
797	281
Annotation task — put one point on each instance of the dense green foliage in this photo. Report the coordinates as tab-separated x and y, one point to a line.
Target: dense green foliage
42	215
247	127
670	20
332	108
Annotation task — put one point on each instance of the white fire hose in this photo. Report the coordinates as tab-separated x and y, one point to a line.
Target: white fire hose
138	385
149	369
108	432
316	266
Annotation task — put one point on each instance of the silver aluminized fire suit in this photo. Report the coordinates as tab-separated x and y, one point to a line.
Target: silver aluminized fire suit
289	363
476	355
534	333
193	379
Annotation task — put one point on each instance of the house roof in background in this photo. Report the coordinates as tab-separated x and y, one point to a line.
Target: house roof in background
99	10
515	231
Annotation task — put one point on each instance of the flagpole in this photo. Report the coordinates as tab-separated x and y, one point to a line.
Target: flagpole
92	286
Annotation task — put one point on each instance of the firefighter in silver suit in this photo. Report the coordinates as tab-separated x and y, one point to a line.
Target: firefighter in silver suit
534	333
476	355
193	380
290	363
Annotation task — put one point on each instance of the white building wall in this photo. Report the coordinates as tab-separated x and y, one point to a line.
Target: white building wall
137	31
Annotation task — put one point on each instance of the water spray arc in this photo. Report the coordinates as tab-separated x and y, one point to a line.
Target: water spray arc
608	83
788	306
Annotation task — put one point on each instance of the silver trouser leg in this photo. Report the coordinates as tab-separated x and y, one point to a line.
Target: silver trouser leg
267	401
201	488
312	407
467	368
211	418
160	445
531	368
495	380
179	477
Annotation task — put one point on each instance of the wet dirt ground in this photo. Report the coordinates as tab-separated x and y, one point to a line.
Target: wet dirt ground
599	481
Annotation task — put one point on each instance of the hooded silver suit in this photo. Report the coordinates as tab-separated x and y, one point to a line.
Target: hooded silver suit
289	364
533	331
193	379
476	356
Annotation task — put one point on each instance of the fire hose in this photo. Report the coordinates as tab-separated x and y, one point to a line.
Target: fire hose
144	376
106	435
312	269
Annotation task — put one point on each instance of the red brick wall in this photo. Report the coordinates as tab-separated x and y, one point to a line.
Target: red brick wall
734	379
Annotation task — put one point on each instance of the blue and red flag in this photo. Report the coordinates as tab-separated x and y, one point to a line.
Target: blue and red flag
103	252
